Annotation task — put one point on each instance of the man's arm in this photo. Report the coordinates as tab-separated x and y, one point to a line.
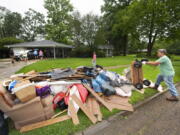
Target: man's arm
154	63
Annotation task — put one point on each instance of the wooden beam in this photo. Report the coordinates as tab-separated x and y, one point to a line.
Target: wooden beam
84	108
96	109
58	114
121	107
118	100
73	113
89	104
97	97
44	123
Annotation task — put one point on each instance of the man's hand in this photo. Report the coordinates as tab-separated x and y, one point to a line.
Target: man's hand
154	63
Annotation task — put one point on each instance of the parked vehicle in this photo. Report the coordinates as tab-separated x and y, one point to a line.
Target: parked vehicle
30	55
21	55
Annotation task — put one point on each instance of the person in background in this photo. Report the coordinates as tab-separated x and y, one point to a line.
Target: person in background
35	54
12	56
166	73
41	54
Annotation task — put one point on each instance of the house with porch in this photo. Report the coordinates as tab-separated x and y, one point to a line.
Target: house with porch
51	49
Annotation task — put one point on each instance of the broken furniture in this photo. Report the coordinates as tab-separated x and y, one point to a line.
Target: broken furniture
26	113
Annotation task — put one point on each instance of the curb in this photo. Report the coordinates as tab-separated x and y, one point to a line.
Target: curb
99	126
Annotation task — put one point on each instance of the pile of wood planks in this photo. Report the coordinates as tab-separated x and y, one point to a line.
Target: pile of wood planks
91	109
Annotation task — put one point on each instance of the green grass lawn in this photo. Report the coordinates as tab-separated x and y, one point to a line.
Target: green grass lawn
45	65
67	127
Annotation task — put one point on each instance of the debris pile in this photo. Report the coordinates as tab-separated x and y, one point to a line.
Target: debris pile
30	99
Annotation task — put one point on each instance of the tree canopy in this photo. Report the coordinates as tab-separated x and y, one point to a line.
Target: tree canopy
33	24
144	21
58	23
11	25
127	25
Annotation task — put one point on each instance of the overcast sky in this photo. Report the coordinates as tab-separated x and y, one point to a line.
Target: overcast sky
84	6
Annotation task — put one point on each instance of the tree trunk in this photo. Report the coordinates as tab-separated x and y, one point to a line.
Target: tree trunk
151	44
149	49
125	42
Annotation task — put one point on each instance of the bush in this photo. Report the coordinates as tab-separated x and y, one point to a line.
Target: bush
85	52
9	41
4	52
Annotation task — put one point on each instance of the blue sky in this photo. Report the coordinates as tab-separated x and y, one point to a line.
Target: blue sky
84	6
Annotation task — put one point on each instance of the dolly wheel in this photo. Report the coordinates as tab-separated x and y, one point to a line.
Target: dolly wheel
139	86
146	82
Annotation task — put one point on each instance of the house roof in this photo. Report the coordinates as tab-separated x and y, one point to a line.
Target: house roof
39	44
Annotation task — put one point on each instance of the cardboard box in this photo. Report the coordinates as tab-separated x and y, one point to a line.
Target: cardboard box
25	91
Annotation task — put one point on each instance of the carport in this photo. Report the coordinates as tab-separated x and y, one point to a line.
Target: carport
51	48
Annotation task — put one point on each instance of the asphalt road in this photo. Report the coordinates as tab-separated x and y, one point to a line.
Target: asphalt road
158	117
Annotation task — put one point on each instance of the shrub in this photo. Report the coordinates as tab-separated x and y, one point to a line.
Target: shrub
84	52
9	41
4	52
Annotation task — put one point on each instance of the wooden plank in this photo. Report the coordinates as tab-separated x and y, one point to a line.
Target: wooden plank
117	99
73	113
122	104
89	104
44	123
121	107
58	114
84	108
96	109
32	72
118	102
97	97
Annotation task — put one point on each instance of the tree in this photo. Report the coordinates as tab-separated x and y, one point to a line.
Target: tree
3	12
76	28
114	33
90	27
2	34
100	38
58	23
12	24
87	30
33	24
156	19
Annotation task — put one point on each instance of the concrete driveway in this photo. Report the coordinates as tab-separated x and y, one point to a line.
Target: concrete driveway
158	117
7	68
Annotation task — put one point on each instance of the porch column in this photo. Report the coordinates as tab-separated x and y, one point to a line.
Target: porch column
54	52
63	52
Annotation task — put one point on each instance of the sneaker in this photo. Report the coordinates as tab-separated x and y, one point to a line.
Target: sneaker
172	98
